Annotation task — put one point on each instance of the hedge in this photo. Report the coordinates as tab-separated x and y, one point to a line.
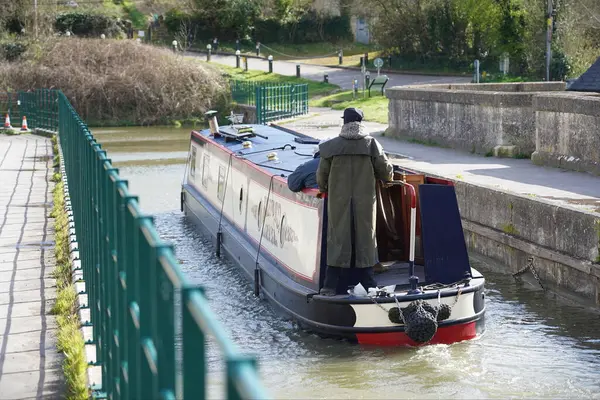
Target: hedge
89	25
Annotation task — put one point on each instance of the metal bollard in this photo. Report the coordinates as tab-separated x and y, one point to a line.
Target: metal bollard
341	57
325	78
297	70
390	61
366	58
270	58
246	63
237	58
258	49
208	50
237	44
362	60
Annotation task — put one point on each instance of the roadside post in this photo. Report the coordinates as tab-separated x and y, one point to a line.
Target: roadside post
237	58
208	48
341	56
476	63
246	63
363	71
297	70
257	49
237	44
367	81
174	43
390	61
325	78
270	58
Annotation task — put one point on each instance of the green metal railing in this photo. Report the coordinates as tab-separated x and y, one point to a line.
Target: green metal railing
280	101
40	107
139	299
244	92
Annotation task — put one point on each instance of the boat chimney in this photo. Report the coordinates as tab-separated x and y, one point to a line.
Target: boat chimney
211	116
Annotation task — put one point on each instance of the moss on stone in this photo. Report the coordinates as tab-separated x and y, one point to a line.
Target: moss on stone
510	229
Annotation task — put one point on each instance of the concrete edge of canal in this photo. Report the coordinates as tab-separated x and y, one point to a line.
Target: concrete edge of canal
94	372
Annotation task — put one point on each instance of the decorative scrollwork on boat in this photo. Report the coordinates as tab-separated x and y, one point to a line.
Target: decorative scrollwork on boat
277	231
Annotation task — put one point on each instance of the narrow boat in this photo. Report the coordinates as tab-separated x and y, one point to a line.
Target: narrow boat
235	190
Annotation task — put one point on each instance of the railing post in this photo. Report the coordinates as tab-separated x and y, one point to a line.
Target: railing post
194	348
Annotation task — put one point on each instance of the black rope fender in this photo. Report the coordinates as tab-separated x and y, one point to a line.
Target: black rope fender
420	319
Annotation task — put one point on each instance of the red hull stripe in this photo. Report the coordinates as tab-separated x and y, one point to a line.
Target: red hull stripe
444	335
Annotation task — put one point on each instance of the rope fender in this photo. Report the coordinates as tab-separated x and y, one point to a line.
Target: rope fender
420	319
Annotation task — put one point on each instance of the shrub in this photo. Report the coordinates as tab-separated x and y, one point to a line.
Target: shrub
12	51
560	65
89	25
112	81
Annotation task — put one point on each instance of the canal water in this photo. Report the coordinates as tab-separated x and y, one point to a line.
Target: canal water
535	346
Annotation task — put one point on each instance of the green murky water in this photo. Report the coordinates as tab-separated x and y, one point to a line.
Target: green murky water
535	346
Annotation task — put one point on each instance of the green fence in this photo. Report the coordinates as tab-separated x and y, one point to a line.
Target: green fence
40	107
244	92
139	299
272	100
280	101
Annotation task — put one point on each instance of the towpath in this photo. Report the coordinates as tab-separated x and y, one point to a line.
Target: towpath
520	176
30	366
337	76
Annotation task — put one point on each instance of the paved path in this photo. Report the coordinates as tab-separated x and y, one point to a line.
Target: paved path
560	187
30	366
337	76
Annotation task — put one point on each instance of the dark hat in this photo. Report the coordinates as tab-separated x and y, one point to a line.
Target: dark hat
352	115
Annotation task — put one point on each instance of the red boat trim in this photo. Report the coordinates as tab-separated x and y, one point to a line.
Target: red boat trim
444	335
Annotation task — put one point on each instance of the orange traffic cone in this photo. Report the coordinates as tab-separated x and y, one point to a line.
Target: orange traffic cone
7	124
24	127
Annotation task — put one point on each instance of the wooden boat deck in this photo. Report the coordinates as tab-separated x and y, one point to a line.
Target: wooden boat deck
398	275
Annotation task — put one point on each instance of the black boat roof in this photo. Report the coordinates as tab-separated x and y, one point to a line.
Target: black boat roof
292	148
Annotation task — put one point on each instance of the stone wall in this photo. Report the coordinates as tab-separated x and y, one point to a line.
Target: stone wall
568	131
481	118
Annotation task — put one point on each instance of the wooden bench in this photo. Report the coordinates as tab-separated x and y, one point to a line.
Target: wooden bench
380	81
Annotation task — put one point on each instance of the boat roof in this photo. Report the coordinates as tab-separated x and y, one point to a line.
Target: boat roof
298	148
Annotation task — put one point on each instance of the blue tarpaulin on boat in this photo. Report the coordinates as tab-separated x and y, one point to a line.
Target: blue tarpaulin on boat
444	248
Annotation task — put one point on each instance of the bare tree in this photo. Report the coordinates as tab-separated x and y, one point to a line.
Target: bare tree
186	35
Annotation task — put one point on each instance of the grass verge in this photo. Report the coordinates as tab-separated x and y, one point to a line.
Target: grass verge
315	89
69	339
375	108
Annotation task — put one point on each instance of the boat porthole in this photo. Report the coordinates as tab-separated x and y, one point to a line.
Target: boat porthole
241	198
282	231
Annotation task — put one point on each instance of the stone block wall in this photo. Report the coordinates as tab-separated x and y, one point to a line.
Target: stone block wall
568	131
471	117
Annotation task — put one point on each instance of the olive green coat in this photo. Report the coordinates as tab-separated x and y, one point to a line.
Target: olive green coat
349	167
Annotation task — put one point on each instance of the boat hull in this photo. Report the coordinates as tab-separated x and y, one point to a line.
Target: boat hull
356	319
